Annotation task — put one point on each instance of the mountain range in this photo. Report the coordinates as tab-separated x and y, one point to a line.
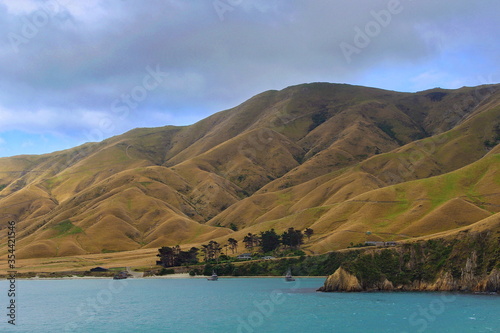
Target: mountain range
352	163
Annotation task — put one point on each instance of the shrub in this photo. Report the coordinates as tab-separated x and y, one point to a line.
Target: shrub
167	271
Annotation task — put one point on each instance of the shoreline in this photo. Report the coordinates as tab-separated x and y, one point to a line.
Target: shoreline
187	276
169	276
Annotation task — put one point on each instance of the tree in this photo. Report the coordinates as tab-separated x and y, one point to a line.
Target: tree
204	248
193	254
297	239
211	250
308	232
251	240
216	249
173	256
233	244
292	238
256	240
166	255
187	257
269	240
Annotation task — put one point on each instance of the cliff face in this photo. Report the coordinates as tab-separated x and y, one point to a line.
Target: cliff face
341	281
471	263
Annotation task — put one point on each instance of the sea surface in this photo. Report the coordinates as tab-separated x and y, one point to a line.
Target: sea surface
237	305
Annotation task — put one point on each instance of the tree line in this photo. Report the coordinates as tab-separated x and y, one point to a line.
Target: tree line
174	256
267	241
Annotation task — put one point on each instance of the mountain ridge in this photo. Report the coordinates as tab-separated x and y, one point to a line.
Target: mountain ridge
295	157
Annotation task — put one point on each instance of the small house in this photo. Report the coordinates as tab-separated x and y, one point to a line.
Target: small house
371	243
244	256
381	243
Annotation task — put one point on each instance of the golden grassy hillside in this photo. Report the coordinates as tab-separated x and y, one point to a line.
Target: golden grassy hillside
352	163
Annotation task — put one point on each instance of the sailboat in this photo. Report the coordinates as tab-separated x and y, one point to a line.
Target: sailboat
214	277
288	276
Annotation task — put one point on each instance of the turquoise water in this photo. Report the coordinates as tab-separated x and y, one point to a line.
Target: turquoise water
237	305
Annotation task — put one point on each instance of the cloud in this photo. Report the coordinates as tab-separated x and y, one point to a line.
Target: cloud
429	78
64	63
51	120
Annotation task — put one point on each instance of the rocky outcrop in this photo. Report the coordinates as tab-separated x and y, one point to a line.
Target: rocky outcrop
369	272
341	280
444	282
491	283
385	285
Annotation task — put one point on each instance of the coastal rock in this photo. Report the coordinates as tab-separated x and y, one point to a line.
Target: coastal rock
469	280
341	280
491	283
468	263
444	282
386	285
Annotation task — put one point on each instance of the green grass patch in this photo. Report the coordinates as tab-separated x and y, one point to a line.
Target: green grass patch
474	196
51	182
116	269
298	128
317	212
398	208
384	223
443	190
496	159
284	198
66	227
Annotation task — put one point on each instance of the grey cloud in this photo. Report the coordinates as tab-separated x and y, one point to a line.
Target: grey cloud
86	63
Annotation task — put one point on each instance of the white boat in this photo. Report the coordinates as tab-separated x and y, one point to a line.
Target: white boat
214	277
288	276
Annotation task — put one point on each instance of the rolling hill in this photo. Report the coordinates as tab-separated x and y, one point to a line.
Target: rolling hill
343	160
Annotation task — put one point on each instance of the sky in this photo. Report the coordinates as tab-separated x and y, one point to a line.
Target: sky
75	71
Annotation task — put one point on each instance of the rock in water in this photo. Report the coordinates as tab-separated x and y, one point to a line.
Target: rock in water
341	280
